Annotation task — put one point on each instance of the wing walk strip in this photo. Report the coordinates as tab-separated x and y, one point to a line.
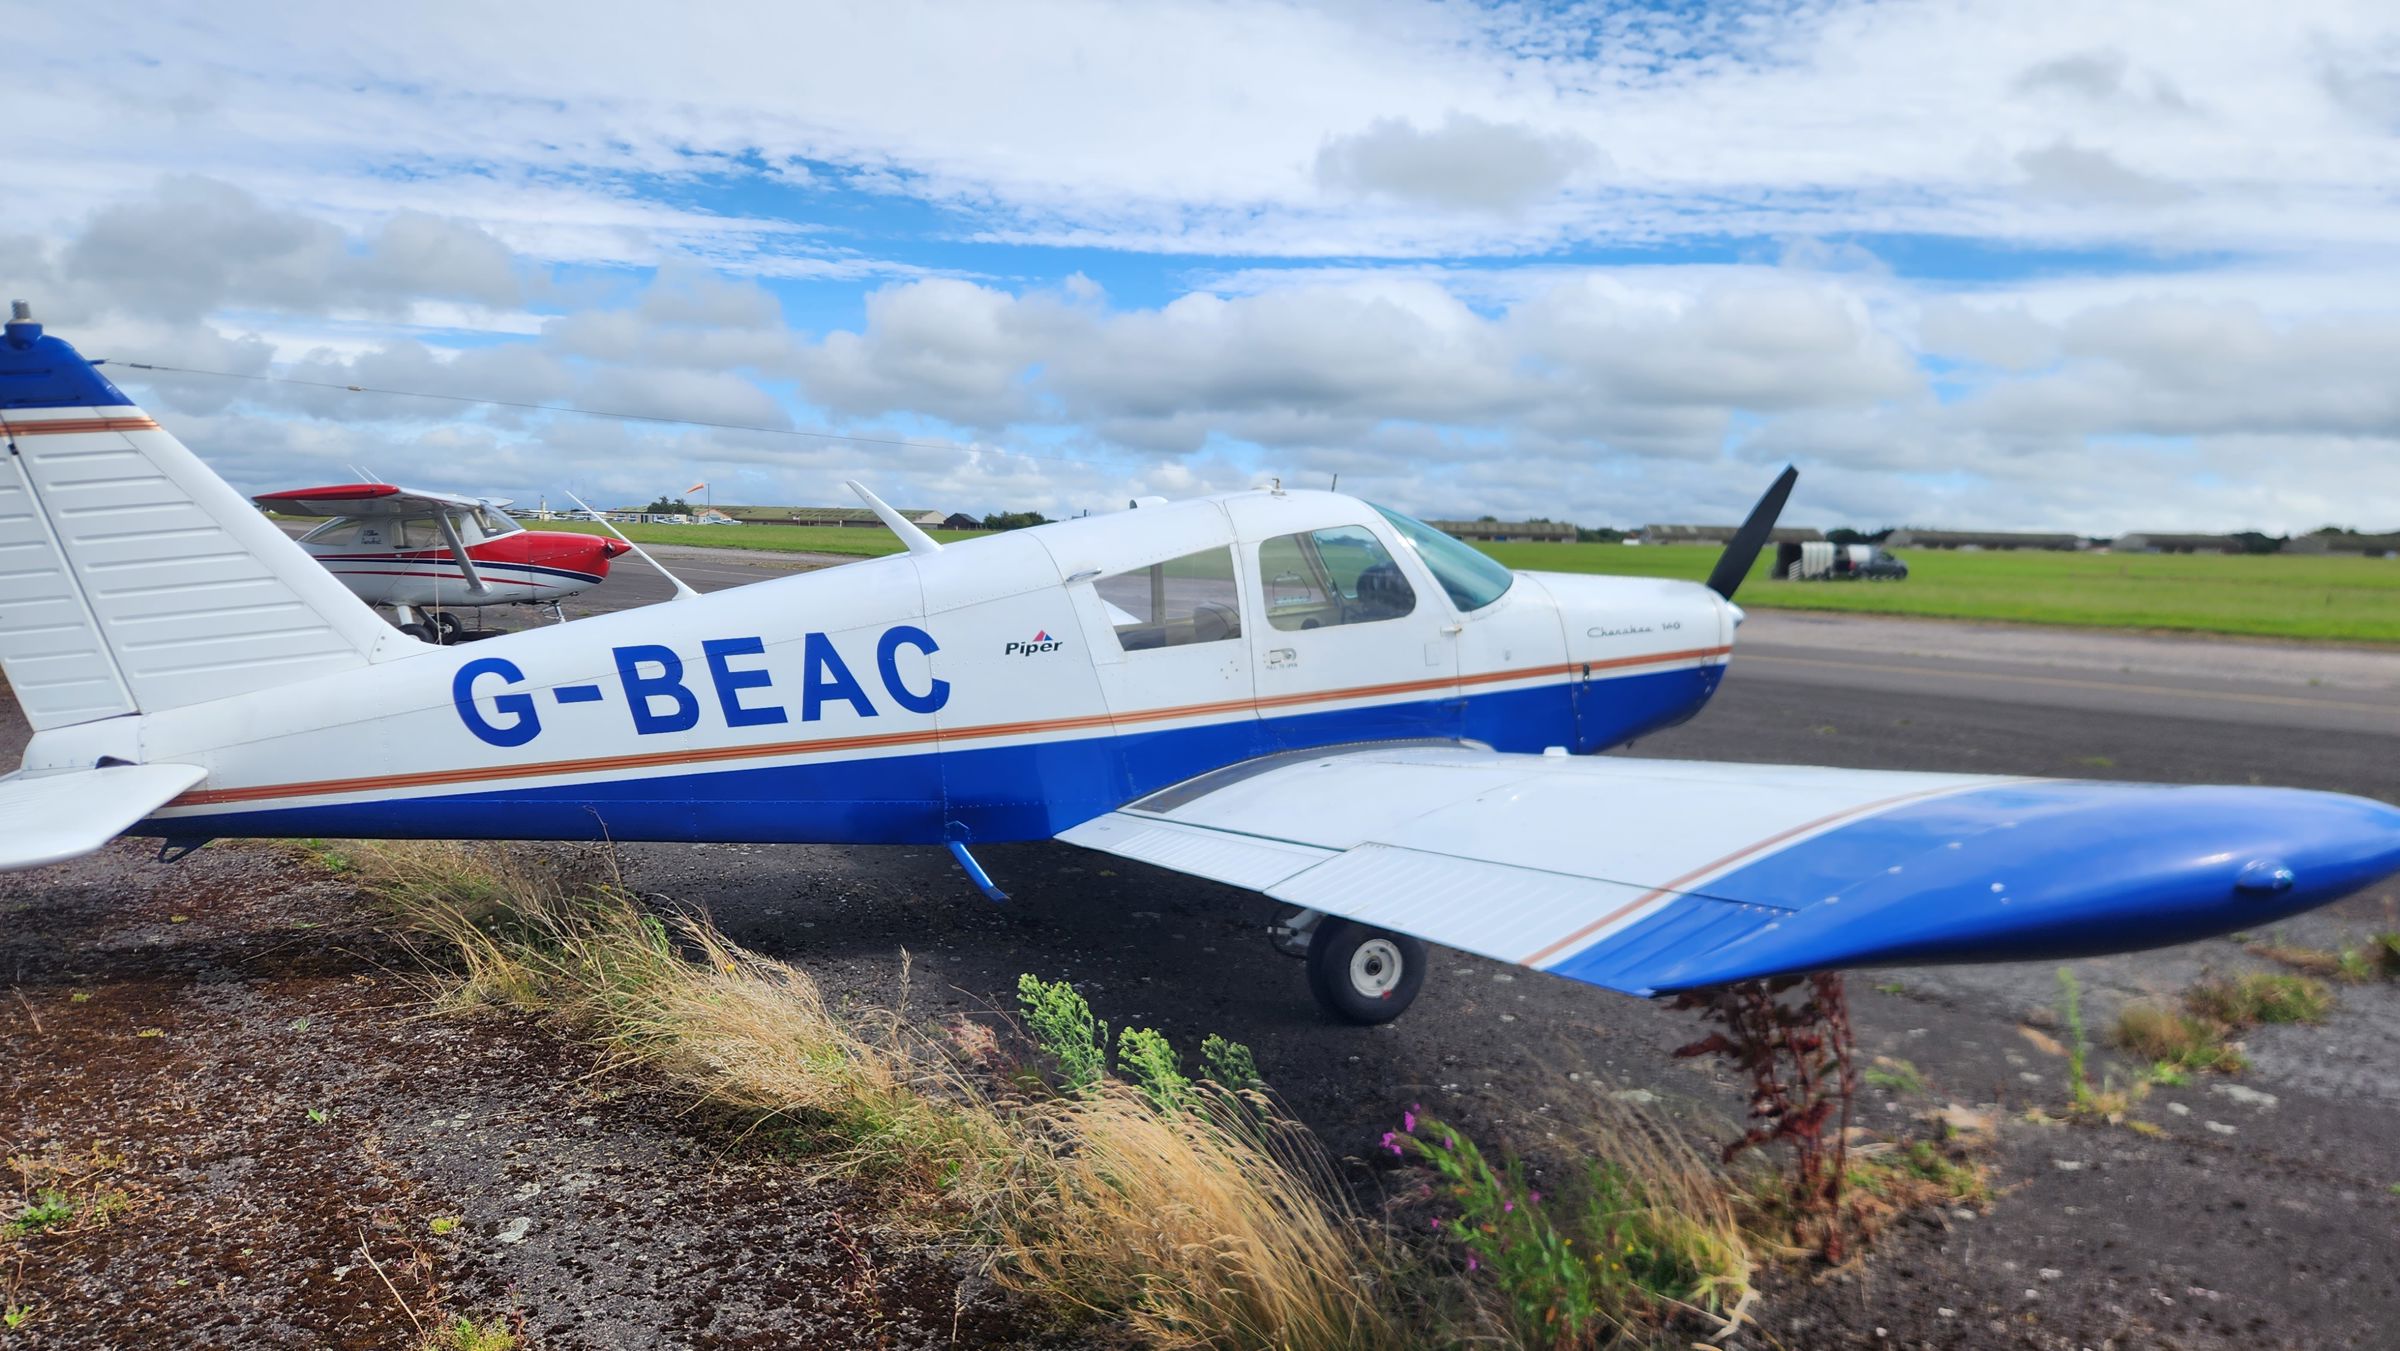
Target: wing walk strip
885	740
1684	884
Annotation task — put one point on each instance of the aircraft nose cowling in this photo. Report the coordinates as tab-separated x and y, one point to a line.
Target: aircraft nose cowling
610	548
2046	871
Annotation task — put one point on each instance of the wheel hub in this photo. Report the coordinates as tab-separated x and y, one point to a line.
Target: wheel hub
1376	967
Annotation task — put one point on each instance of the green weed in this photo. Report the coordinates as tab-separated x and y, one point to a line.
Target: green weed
1895	1076
1062	1025
45	1210
472	1334
1630	1240
1150	1062
2103	1101
1230	1063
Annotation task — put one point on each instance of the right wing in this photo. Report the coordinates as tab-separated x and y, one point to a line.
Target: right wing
369	499
1653	875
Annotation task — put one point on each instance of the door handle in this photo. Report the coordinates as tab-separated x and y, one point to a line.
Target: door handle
1278	657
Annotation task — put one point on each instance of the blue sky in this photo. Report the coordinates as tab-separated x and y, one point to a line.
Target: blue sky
2047	266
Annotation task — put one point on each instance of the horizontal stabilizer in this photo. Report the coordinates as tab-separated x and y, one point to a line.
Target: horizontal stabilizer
45	818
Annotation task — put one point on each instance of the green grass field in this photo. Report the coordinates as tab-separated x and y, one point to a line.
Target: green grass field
2268	595
2272	595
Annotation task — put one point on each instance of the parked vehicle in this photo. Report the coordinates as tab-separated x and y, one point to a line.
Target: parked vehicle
1819	561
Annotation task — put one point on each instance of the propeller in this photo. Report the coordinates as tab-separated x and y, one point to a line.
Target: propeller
1742	550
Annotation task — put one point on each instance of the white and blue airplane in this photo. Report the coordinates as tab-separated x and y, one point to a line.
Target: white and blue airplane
1293	692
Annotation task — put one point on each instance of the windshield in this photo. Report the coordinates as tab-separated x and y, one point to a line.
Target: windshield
1472	579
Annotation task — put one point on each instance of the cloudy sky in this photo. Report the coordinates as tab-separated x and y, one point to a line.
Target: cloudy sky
2089	266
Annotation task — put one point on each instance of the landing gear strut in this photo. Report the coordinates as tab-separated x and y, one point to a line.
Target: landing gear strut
1359	974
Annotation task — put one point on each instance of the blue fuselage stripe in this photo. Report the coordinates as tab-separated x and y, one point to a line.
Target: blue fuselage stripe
1020	792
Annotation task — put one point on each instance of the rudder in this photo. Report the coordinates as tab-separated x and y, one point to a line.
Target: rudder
132	578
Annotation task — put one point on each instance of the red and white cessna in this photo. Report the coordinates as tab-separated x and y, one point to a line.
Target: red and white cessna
426	553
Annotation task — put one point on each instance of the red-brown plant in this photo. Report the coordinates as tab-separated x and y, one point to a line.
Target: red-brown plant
1795	1047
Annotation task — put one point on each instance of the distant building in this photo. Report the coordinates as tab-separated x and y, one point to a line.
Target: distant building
1506	530
959	520
2165	542
2373	546
1723	534
1980	539
858	517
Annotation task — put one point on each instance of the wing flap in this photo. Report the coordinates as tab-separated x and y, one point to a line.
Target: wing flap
46	818
1220	856
1490	909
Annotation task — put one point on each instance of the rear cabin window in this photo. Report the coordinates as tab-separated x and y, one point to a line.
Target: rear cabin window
1325	578
1181	601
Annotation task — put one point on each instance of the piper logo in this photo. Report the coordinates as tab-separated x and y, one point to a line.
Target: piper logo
1040	642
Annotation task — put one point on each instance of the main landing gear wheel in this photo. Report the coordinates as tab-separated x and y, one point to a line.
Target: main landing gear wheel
1364	975
450	625
423	633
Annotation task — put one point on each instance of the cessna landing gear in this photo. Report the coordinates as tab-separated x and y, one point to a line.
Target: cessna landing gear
428	626
1359	974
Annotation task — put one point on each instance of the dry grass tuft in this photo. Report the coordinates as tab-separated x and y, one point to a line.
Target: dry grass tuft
2179	1042
2259	997
1208	1226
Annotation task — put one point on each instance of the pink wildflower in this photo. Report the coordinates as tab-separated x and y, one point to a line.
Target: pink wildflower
1507	1206
1408	1121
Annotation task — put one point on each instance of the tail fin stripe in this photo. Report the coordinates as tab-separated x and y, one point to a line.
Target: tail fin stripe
70	426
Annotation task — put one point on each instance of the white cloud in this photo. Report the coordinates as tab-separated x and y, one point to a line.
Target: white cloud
512	203
1466	163
2077	173
1219	127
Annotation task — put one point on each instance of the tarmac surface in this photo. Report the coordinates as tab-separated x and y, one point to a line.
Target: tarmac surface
2259	1214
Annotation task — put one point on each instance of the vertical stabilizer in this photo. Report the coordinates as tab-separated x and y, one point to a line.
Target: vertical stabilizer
132	578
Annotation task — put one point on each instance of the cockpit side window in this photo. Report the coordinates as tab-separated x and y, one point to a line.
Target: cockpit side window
496	522
1325	578
1191	599
1470	579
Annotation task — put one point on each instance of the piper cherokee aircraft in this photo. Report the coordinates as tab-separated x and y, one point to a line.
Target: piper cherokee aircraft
425	553
1293	692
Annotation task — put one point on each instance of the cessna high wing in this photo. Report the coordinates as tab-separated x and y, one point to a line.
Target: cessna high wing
425	554
1293	692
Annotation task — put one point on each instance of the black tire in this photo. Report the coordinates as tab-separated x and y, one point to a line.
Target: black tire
1351	971
420	632
450	626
